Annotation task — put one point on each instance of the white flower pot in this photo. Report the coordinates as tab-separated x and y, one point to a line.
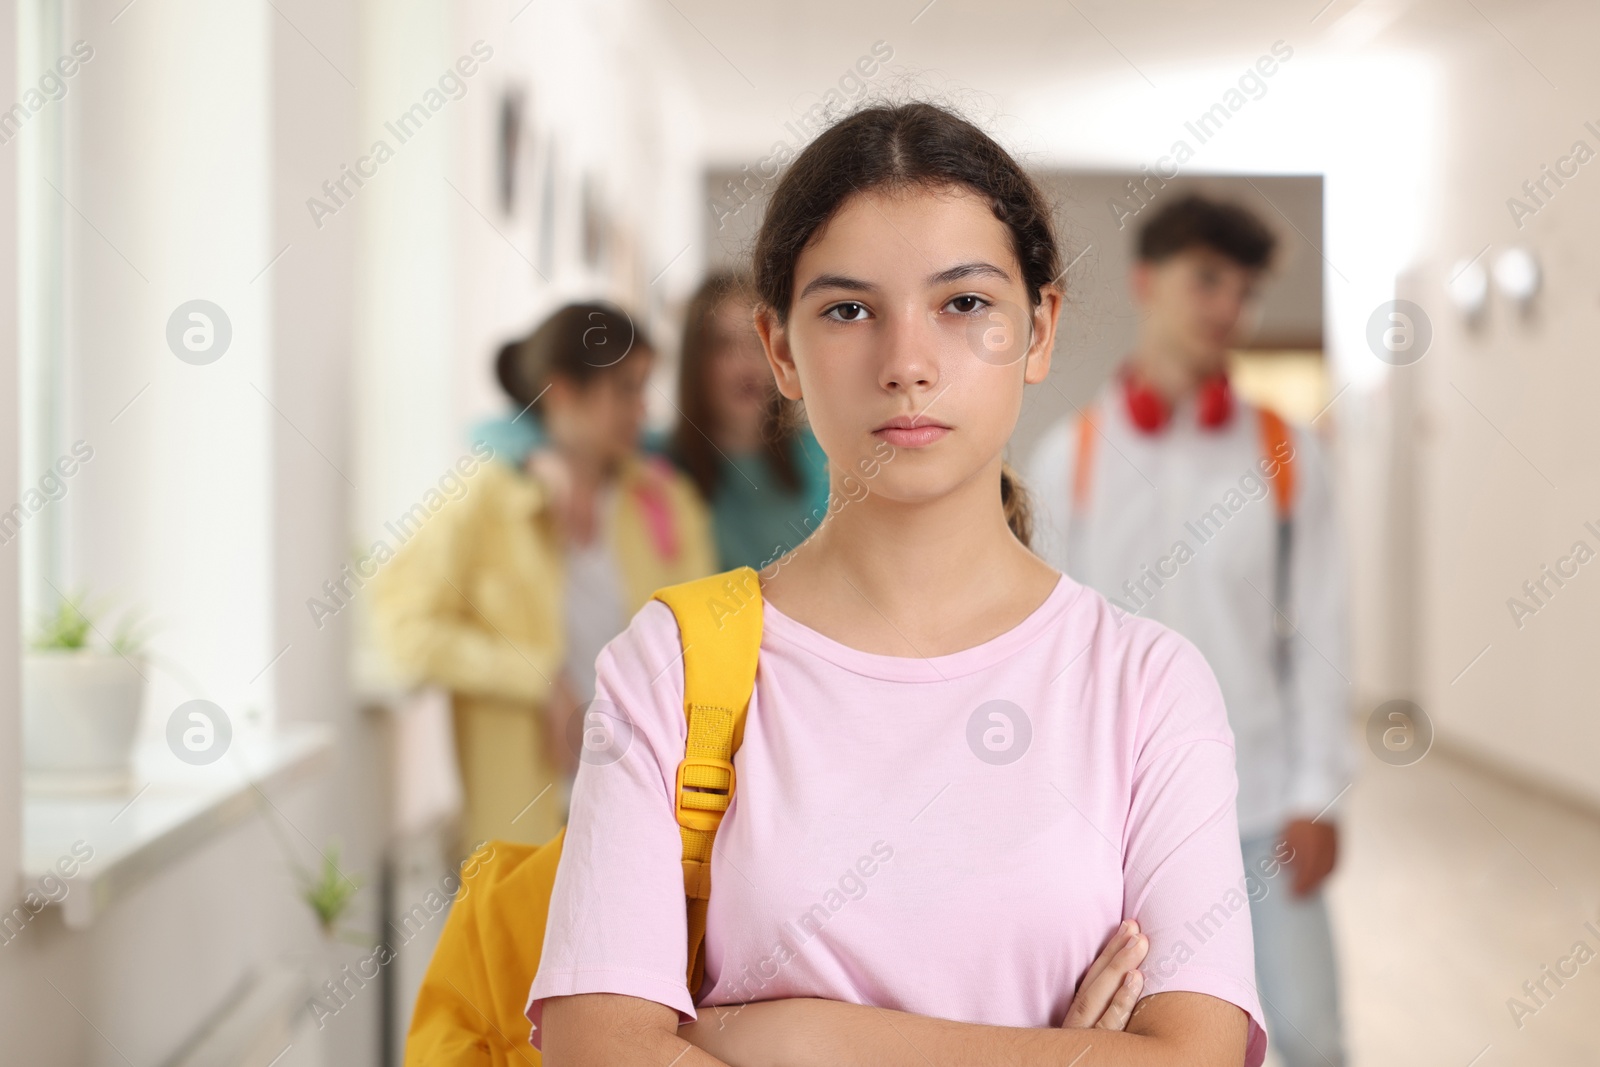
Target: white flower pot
80	711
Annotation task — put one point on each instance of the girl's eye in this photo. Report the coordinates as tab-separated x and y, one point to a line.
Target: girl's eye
849	311
967	303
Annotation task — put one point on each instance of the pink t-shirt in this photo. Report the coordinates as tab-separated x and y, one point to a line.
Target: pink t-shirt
956	836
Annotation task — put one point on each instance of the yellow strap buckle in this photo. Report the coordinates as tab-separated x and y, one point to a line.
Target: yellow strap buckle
704	797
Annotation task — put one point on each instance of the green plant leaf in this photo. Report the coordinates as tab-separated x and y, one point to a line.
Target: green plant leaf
71	625
67	628
329	892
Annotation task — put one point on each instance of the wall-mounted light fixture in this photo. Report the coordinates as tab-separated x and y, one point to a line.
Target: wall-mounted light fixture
1468	289
1516	275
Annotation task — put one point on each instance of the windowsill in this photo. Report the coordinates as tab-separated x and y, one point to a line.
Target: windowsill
137	834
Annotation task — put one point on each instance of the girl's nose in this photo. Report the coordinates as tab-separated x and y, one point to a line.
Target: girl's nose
910	354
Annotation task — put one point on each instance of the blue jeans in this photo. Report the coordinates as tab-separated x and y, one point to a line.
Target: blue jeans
1296	974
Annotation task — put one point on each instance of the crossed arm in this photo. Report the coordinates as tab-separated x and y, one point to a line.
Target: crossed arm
1174	1029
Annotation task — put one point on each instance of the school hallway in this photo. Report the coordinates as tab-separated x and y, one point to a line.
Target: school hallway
275	283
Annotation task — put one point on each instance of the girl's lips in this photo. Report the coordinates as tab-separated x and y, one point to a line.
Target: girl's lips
911	436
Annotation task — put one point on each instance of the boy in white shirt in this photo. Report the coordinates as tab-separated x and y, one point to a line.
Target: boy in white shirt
1182	503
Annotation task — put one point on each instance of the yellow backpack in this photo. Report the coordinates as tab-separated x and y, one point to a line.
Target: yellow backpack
469	1009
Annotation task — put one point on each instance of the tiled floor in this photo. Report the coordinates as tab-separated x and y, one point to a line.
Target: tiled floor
1455	888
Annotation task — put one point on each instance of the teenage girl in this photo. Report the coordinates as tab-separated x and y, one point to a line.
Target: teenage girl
960	771
507	594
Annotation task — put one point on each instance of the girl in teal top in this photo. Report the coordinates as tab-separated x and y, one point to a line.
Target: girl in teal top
756	463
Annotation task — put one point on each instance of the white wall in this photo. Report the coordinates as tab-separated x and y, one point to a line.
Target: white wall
316	131
1505	421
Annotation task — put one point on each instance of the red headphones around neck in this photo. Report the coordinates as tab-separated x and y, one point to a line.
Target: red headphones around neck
1151	412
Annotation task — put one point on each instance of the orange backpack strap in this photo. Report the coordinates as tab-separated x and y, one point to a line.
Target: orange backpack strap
1277	445
719	622
1083	464
1082	483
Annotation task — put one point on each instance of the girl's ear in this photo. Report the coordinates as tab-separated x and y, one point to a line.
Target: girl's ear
1045	317
775	342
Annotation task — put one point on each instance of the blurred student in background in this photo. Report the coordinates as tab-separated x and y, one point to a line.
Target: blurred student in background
752	458
762	471
506	596
1183	504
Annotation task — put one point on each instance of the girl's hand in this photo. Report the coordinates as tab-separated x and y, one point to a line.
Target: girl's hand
765	1033
1111	986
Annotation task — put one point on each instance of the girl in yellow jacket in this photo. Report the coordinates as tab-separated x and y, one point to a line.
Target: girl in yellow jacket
506	596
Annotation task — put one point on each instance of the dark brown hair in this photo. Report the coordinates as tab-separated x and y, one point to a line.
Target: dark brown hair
1195	221
692	440
905	146
579	342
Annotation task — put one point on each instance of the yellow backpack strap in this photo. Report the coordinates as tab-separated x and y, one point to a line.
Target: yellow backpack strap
719	623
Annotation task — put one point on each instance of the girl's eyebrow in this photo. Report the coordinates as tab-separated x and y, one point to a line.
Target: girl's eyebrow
836	281
976	269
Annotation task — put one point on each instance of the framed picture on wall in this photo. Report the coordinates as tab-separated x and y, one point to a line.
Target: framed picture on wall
508	147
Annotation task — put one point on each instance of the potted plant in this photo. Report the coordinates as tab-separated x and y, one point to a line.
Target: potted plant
331	965
81	696
329	894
